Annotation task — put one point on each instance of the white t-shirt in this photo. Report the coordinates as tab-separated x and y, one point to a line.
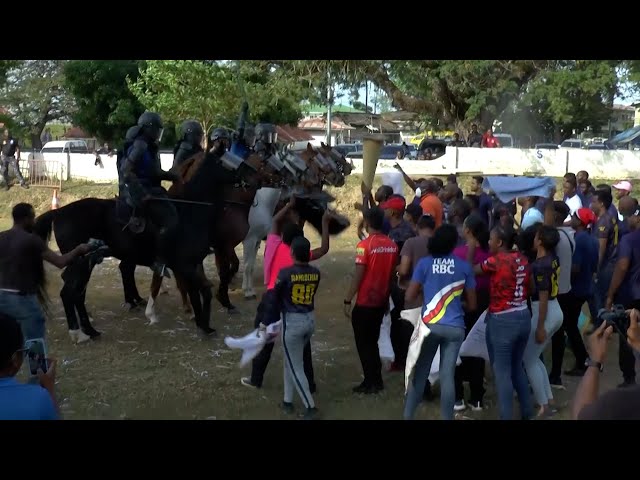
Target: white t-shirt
564	250
574	203
531	217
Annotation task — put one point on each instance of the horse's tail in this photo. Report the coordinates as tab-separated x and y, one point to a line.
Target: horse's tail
44	225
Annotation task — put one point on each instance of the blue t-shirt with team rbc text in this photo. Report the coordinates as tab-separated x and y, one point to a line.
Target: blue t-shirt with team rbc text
443	280
19	401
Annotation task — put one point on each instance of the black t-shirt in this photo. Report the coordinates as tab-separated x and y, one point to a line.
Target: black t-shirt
296	288
618	404
545	271
606	228
21	263
9	146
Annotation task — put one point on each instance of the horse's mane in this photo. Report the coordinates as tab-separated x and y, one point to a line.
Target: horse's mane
186	170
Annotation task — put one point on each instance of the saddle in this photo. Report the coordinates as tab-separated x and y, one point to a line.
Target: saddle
126	216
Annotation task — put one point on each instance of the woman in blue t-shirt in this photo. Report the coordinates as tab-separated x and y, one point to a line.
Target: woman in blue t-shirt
442	278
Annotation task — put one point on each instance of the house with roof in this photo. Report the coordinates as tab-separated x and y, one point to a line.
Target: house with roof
350	127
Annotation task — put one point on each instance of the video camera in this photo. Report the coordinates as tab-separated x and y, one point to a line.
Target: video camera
617	318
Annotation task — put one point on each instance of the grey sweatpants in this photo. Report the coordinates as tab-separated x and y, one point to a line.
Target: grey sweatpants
297	329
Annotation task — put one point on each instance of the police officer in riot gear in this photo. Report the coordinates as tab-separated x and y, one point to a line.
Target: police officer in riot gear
190	143
220	141
141	178
266	137
10	149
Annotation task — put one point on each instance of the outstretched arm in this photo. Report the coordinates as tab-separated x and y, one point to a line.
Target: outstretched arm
408	180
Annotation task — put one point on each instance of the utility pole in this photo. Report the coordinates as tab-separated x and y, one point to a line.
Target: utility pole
329	105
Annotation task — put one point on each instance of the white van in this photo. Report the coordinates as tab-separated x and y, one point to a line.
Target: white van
65	146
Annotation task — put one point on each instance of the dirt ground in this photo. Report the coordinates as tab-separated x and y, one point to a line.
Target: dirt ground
137	371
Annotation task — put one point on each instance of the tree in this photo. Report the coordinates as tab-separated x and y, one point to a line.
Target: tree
34	95
361	106
105	107
212	92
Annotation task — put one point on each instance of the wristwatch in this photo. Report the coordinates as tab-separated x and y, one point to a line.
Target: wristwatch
591	363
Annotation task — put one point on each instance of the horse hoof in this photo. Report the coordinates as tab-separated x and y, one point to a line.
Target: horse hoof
92	333
153	320
208	331
251	296
130	306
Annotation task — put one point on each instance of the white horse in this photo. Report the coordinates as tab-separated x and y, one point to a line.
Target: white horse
260	221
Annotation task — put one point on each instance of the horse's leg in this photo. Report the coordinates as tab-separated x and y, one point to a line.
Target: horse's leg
131	295
234	263
249	260
182	288
69	304
207	297
222	261
150	311
85	320
194	287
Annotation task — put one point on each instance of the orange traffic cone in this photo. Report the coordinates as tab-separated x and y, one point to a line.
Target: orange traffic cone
54	200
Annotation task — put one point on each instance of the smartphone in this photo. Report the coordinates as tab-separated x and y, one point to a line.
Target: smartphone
36	355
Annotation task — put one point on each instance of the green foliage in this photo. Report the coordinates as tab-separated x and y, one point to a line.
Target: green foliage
34	94
212	92
105	107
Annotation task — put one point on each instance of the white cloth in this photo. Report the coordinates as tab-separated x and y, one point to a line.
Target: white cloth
384	340
415	347
395	180
253	342
475	345
574	203
564	250
531	217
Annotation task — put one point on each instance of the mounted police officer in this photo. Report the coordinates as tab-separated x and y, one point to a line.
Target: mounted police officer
190	142
10	149
220	141
141	178
266	137
130	136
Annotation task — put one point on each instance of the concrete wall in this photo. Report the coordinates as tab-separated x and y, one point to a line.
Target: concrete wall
614	164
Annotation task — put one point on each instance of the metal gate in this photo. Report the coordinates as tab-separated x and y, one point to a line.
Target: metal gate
42	173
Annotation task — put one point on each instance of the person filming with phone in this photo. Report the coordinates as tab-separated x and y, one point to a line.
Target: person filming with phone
20	401
620	403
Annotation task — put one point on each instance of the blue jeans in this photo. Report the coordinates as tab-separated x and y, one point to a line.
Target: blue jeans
26	310
449	339
507	335
601	289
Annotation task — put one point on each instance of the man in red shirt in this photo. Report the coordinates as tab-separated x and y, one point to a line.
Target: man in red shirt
376	259
489	141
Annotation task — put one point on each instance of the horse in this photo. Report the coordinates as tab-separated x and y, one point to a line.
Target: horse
327	167
97	218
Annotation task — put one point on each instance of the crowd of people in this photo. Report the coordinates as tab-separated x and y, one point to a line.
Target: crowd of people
439	262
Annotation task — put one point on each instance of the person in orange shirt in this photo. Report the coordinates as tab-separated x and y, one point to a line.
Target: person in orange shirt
430	203
376	259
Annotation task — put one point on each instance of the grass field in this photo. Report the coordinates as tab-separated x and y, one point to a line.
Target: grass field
135	371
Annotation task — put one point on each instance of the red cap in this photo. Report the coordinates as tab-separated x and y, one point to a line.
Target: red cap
394	203
586	216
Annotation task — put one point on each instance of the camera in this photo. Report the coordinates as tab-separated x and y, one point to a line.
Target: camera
617	318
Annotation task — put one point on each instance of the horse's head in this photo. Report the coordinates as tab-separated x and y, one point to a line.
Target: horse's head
345	168
323	162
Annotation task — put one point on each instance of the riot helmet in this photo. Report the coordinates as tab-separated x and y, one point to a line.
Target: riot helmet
151	125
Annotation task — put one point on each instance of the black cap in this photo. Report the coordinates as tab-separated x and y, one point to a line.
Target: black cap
11	339
301	249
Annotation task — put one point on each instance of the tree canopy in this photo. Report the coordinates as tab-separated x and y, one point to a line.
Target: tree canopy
105	107
212	92
34	94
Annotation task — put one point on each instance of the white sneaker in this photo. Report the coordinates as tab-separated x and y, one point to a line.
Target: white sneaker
459	406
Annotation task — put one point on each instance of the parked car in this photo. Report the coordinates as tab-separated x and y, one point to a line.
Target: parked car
346	148
572	143
545	146
430	149
599	146
504	139
65	146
